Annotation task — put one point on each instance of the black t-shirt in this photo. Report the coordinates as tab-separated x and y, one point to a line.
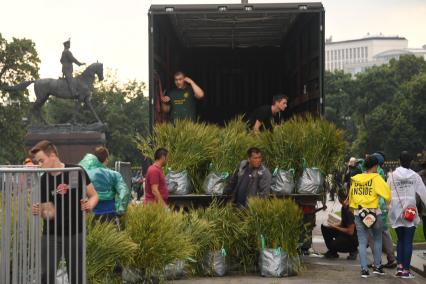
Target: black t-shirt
264	115
65	190
347	217
183	105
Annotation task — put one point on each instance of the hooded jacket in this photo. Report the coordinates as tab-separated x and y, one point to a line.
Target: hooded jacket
407	184
366	189
108	184
259	184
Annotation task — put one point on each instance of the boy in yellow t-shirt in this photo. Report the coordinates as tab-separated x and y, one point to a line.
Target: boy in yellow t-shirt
365	192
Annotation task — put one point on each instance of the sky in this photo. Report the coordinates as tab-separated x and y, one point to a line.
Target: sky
116	32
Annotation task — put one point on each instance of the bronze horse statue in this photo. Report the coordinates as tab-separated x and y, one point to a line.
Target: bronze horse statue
44	88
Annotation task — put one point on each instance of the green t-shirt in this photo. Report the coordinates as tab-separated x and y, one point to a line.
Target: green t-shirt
182	104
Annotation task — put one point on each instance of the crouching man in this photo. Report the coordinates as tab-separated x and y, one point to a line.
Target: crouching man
251	178
342	237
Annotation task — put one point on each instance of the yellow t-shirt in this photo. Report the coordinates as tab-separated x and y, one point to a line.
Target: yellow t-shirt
366	189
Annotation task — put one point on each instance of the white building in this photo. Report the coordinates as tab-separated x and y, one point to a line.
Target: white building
353	56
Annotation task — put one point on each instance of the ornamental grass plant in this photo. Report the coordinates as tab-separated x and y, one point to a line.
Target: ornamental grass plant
228	231
304	141
279	221
107	248
234	141
190	145
161	238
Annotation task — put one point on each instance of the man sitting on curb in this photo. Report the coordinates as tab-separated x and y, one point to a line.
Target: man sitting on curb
342	237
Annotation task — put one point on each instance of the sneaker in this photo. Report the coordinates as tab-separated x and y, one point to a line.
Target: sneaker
398	273
378	270
365	273
390	265
331	255
407	275
352	255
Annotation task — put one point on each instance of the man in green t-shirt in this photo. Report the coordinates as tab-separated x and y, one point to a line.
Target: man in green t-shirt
182	98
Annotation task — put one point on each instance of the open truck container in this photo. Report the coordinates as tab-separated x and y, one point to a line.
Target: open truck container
240	54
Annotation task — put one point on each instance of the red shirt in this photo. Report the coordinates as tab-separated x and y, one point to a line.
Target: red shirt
155	176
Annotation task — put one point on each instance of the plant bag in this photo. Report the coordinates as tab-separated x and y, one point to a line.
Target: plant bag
282	182
215	183
132	275
174	271
275	262
215	263
311	182
178	183
61	273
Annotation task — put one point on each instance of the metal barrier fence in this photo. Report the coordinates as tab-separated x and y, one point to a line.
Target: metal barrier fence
49	247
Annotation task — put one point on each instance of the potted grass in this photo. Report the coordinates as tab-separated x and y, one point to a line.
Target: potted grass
226	234
283	152
323	150
231	149
161	240
107	249
275	226
190	147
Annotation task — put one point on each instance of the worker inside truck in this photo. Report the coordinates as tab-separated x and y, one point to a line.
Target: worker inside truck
180	101
262	117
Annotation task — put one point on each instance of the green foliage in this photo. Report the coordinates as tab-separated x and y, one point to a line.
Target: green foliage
317	141
383	107
122	107
161	238
279	221
18	62
232	147
191	147
106	249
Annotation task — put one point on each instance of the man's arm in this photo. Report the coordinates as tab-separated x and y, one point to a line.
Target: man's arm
229	189
93	198
157	195
257	126
198	92
73	59
348	231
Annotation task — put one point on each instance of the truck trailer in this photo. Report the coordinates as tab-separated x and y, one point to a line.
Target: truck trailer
240	54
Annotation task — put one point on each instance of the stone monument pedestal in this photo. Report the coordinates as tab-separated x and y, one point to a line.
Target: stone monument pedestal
72	141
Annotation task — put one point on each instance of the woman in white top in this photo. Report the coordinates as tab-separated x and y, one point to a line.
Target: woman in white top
405	184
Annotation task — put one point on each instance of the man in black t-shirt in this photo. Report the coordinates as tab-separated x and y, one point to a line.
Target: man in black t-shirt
342	237
61	206
261	118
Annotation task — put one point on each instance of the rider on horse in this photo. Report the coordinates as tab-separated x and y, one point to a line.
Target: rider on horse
67	59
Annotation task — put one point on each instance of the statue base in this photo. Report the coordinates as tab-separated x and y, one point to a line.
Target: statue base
72	141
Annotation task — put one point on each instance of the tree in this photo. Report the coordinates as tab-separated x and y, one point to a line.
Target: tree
18	62
386	105
123	108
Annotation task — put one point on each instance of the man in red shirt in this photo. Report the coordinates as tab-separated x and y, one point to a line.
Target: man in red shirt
155	183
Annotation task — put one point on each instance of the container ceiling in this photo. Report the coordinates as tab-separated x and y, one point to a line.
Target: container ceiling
233	30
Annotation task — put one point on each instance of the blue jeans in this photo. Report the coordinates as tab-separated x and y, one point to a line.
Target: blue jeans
404	246
363	231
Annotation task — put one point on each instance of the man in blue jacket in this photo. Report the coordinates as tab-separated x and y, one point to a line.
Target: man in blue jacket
114	195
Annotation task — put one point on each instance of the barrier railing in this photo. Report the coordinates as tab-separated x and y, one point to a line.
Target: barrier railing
42	227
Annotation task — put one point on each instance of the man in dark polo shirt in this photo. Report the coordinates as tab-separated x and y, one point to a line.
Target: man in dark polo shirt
182	98
261	118
155	183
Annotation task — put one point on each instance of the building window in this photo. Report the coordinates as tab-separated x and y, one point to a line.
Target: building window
366	52
350	54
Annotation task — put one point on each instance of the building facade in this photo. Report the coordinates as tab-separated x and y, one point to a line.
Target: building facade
354	56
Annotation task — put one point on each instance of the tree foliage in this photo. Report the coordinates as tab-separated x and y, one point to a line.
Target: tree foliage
385	105
18	62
